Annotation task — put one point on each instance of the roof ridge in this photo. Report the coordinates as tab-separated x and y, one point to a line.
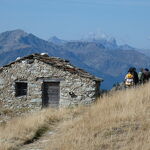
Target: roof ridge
58	63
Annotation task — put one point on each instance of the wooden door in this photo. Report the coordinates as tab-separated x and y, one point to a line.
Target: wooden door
51	94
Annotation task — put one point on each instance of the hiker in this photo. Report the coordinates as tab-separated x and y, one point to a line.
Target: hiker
147	74
135	76
141	76
144	75
129	78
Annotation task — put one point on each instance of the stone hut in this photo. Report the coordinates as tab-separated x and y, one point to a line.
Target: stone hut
38	80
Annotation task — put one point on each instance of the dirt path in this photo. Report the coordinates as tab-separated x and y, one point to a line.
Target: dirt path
41	143
48	137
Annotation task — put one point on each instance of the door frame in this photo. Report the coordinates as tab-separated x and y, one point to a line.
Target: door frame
46	103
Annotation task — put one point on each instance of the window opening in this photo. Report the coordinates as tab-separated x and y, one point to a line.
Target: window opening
21	88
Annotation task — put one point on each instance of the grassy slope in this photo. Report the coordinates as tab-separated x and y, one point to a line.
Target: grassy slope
118	121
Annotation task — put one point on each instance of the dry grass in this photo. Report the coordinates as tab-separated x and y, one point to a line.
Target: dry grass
21	130
120	120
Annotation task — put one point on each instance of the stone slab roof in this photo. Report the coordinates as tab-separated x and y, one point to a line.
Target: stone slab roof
58	63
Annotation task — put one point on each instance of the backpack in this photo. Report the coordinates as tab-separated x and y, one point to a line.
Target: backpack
129	80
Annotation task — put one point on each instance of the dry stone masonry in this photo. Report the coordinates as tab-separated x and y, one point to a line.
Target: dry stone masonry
38	81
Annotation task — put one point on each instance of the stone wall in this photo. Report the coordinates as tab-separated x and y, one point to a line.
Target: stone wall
74	89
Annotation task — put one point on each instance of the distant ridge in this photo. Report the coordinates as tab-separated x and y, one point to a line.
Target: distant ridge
103	58
56	40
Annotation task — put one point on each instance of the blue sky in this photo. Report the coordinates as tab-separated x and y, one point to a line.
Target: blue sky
126	20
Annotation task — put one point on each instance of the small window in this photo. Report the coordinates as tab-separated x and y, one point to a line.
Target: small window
21	88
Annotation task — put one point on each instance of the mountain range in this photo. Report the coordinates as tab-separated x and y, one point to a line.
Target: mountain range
101	57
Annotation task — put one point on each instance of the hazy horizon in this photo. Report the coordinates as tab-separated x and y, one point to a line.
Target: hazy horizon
126	21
